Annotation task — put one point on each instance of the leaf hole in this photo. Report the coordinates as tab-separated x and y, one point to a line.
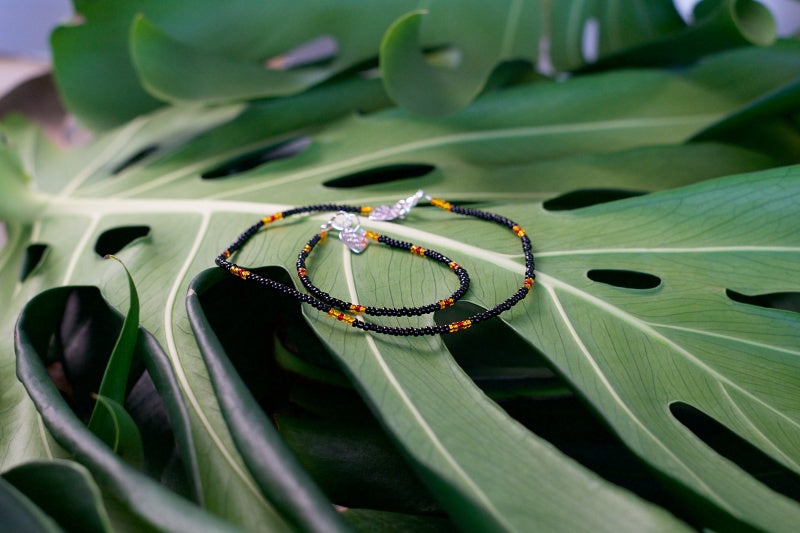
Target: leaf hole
519	378
590	40
497	359
384	174
251	160
587	197
113	240
135	158
34	254
787	301
624	279
445	57
738	450
317	52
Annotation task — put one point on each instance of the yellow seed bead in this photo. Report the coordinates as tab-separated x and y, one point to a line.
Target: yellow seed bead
226	253
372	235
366	210
453	265
441	204
272	218
444	304
307	248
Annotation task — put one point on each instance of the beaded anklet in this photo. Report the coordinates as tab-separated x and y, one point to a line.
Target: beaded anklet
344	223
357	240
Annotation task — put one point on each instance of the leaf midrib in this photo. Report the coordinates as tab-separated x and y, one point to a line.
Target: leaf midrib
670	250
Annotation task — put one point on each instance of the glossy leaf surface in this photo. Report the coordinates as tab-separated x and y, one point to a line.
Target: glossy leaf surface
65	491
155	49
629	352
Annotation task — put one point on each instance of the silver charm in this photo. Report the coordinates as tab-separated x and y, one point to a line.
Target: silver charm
399	210
349	229
355	239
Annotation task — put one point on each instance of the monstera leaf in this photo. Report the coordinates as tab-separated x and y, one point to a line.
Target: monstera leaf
161	52
657	309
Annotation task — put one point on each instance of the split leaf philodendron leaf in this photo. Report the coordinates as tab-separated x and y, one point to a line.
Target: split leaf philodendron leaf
167	49
65	491
116	428
534	153
716	25
21	514
115	380
57	338
154	50
109	420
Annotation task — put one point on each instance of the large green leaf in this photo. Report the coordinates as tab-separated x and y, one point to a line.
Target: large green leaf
507	136
513	148
54	373
162	51
65	491
21	514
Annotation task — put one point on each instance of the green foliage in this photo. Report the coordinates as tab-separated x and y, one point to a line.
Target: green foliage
660	340
65	491
109	420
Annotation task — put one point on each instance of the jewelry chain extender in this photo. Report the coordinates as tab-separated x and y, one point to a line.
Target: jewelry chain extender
398	210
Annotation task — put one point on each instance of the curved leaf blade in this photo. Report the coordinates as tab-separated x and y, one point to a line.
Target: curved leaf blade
21	514
65	491
276	470
131	492
117	429
115	379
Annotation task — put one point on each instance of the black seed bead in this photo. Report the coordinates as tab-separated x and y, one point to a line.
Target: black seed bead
318	295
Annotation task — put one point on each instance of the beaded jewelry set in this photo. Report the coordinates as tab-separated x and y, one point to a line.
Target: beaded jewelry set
346	223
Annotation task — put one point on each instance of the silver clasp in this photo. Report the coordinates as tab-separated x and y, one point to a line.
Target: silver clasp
349	227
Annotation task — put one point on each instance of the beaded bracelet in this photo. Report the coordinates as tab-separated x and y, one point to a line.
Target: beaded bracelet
349	232
357	241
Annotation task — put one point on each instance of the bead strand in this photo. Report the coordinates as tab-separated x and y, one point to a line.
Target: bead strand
458	270
336	308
